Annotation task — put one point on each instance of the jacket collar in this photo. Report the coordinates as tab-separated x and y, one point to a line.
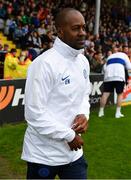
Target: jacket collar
65	50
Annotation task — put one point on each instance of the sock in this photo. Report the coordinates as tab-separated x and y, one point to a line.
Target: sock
118	110
101	110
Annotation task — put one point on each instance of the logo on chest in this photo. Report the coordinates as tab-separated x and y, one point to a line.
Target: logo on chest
66	79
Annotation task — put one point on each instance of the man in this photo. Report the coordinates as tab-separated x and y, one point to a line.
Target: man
24	63
10	65
97	62
57	104
114	78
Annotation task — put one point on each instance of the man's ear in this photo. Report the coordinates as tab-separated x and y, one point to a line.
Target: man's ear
60	31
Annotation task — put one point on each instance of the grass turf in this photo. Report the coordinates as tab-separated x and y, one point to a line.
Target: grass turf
11	139
107	147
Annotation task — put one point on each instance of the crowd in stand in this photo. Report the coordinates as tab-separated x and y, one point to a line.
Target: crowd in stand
30	24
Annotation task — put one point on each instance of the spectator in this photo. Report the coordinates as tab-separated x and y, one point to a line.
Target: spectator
23	64
32	52
97	62
35	39
47	38
1	24
10	65
2	11
125	49
8	21
42	30
6	48
12	28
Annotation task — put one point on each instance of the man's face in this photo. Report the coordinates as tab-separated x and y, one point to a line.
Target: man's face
73	31
14	53
125	50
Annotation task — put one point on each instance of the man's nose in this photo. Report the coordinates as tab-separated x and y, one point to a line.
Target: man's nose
82	32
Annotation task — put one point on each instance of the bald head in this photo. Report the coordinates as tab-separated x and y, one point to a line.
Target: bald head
64	15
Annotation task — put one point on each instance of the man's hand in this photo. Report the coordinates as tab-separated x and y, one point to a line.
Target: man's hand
76	143
80	124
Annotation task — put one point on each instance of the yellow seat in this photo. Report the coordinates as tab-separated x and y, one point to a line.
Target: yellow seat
4	40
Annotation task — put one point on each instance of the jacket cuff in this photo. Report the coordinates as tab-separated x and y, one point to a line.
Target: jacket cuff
87	116
71	136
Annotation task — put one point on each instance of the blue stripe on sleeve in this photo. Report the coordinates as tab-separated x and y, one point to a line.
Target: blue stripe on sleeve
116	60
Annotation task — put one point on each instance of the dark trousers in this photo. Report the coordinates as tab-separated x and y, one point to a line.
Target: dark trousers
74	170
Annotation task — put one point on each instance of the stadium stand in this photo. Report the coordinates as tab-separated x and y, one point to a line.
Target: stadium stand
29	25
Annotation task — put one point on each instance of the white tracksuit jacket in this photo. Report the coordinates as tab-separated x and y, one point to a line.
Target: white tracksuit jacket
115	71
57	89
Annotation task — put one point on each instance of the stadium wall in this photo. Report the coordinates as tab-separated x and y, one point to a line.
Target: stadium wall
12	98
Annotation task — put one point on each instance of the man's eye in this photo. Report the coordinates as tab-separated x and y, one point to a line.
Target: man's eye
75	29
79	28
